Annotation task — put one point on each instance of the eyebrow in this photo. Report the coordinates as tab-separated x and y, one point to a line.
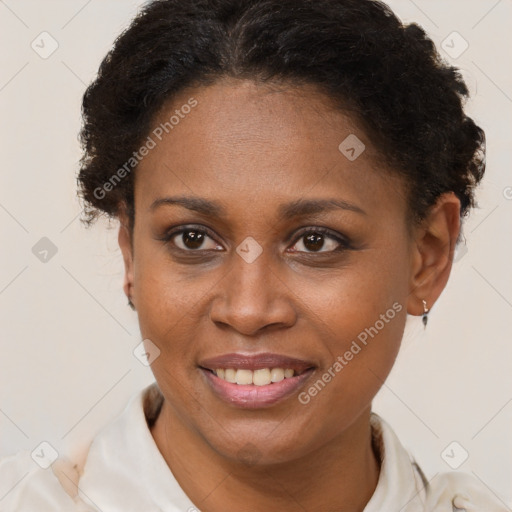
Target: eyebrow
297	208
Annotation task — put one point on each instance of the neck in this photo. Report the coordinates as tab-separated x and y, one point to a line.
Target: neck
341	475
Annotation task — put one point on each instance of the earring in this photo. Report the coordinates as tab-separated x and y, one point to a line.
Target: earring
130	303
425	314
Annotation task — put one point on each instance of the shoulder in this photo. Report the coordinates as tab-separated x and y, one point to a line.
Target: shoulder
463	492
403	486
25	486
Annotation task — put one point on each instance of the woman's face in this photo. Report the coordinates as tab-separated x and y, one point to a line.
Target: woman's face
295	256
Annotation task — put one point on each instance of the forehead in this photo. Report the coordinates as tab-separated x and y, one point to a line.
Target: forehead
240	143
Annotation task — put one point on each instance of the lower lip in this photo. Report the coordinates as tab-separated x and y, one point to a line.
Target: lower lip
252	396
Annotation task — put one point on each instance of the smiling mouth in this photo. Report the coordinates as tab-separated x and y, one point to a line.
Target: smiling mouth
259	377
255	381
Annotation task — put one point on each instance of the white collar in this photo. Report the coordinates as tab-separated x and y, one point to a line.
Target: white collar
401	485
125	471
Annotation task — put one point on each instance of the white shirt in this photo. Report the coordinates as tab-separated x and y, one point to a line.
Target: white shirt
125	472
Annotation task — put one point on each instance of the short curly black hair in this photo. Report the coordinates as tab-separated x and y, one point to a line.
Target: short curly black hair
386	74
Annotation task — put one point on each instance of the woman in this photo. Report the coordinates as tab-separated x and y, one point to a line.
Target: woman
290	179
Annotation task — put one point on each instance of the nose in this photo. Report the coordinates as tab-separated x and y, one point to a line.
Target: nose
253	297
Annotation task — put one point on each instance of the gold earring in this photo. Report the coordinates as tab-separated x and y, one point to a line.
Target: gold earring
425	314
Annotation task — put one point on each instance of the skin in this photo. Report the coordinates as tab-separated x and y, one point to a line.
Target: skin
241	143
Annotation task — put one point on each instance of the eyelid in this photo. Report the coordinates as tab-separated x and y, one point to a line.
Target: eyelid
179	229
338	237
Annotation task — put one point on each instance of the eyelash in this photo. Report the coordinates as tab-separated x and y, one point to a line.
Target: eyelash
343	242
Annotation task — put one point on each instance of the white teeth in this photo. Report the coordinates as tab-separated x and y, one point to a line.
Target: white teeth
277	374
261	377
244	377
229	375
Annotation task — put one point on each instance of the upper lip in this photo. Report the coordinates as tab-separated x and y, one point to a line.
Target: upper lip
255	362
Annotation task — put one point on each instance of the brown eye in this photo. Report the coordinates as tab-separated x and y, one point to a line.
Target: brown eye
317	239
313	242
191	239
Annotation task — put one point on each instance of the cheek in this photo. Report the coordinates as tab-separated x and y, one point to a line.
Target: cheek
368	293
361	316
361	343
167	305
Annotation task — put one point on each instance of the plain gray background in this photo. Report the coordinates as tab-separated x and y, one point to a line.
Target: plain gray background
67	336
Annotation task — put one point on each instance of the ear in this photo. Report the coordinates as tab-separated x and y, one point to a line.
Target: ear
433	249
125	243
